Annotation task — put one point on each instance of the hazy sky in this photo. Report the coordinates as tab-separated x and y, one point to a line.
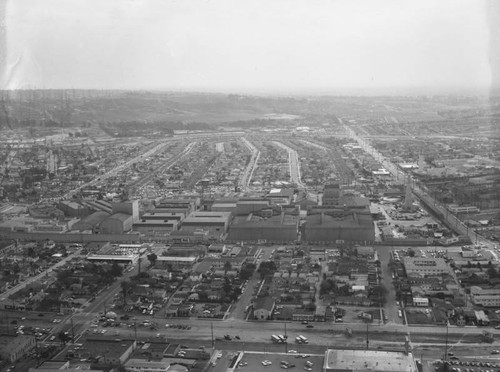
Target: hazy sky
248	45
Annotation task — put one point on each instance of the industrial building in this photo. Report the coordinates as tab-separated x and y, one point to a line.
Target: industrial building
340	225
216	223
117	223
280	196
331	194
91	222
282	228
73	209
247	206
185	206
116	219
155	227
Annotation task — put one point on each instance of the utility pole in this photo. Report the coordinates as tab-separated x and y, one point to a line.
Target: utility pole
72	331
212	332
367	340
286	340
445	357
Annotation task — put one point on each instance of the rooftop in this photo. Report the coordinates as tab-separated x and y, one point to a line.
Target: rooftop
372	360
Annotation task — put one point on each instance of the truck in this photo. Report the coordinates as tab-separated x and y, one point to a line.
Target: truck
276	339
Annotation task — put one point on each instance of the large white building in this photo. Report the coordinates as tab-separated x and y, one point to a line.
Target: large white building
368	360
425	266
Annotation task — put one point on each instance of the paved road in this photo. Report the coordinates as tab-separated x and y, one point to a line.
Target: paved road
244	181
294	164
390	308
452	221
4	296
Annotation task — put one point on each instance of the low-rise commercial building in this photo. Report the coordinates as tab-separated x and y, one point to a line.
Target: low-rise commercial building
13	348
424	266
368	360
485	297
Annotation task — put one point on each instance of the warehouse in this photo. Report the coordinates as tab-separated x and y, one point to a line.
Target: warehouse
117	223
91	222
349	226
277	229
216	223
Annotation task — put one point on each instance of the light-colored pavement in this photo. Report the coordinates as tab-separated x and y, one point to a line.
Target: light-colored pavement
294	164
245	180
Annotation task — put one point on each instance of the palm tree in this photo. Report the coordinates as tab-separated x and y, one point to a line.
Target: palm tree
125	285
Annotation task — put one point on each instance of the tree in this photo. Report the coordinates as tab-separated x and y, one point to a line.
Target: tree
492	273
267	268
116	270
64	337
139	263
152	258
203	296
126	286
31	252
246	273
227	266
379	293
235	294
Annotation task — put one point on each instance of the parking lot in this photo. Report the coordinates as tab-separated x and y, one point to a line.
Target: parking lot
254	361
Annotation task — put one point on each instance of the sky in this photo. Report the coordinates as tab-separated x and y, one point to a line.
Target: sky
270	46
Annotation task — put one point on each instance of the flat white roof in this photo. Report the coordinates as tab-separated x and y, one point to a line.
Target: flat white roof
176	258
112	257
368	360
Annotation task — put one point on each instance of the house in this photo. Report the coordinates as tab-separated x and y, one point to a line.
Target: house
263	308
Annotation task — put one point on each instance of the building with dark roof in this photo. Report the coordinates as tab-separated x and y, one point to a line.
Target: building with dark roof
73	209
280	196
281	228
216	223
263	308
91	222
127	207
109	352
345	225
13	348
155	227
117	223
331	194
247	206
